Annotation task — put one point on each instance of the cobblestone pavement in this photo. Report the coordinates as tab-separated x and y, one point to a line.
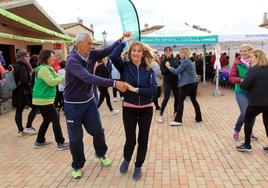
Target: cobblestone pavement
191	155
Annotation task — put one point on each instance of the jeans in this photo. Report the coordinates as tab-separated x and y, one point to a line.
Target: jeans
188	90
251	113
88	115
31	116
167	89
50	114
242	101
132	117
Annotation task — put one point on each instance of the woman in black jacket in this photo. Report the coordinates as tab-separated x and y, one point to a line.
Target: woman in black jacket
103	71
256	83
170	82
22	94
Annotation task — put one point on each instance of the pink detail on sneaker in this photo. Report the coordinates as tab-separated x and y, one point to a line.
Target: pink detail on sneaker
252	137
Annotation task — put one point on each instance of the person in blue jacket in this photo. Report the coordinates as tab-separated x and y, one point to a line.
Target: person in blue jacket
79	105
188	84
138	100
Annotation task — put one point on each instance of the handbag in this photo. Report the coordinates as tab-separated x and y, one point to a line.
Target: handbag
7	84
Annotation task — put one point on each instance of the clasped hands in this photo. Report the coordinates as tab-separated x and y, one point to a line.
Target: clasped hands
167	64
123	86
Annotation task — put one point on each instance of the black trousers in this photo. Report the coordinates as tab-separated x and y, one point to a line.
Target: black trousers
61	100
31	116
104	94
132	117
115	90
167	89
157	96
57	98
188	90
49	114
251	113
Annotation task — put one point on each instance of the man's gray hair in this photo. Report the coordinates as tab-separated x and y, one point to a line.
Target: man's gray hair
80	37
21	53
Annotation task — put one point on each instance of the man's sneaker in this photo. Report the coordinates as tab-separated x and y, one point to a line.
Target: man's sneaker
30	130
137	173
76	174
105	161
236	135
160	119
43	144
174	123
114	112
244	148
63	146
265	149
114	99
124	167
21	134
252	137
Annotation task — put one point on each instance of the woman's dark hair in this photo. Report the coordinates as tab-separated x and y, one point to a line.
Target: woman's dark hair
62	64
44	56
34	61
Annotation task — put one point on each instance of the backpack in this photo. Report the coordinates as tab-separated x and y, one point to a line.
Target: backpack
7	83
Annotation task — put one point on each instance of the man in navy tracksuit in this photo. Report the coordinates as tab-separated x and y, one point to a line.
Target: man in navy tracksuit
79	105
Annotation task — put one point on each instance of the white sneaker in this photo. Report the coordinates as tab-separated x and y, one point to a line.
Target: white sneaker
114	99
174	123
29	130
114	112
21	134
160	119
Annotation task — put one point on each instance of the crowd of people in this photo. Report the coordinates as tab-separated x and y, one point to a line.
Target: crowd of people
49	85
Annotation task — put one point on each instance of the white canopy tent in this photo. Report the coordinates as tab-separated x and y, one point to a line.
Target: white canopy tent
230	38
176	34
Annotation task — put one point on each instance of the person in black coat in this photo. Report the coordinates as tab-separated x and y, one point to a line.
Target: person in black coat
102	70
256	83
22	94
170	81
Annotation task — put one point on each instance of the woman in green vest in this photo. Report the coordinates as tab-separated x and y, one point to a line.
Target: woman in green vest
44	92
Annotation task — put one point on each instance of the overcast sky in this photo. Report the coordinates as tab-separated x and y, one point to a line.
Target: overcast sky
212	14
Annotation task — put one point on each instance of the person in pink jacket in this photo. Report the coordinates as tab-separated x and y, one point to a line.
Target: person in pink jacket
238	73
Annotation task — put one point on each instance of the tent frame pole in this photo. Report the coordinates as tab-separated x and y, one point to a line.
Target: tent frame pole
204	65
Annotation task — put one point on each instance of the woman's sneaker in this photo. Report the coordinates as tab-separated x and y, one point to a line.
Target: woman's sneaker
124	167
160	119
252	137
137	173
63	146
30	130
21	134
114	112
265	149
244	148
174	123
43	144
76	174
236	135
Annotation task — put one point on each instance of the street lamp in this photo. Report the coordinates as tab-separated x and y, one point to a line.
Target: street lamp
104	36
